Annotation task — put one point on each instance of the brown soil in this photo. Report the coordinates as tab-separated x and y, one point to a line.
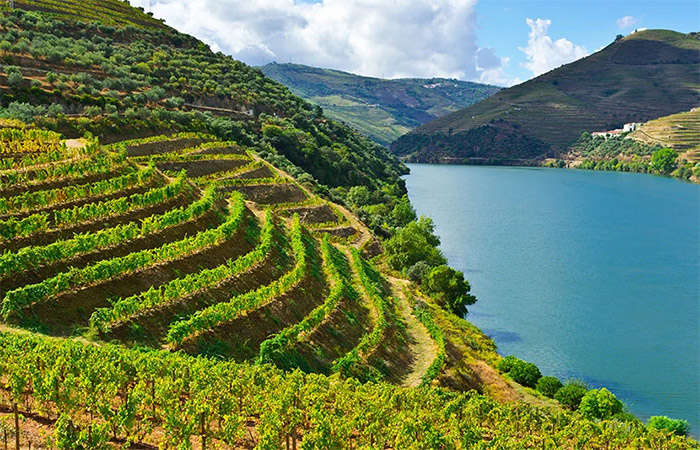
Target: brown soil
151	327
156	148
66	312
240	339
270	194
84	201
48	237
260	172
312	214
339	333
158	239
202	168
341	232
231	150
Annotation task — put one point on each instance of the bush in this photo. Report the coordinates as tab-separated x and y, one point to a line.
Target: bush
417	271
675	426
506	364
450	288
415	242
664	160
525	373
571	393
548	386
600	404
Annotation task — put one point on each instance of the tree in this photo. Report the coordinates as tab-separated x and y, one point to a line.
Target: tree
675	426
548	386
571	394
600	404
358	196
450	287
412	243
15	79
525	373
664	160
403	213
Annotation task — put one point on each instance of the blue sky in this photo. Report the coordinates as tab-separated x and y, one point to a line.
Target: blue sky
593	23
500	42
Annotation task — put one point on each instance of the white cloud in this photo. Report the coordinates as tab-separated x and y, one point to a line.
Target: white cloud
383	38
543	54
626	22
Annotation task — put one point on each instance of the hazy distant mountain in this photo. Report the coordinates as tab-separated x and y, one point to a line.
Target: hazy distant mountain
381	109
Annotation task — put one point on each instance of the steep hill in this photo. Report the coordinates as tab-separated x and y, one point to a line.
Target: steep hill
189	270
381	109
640	77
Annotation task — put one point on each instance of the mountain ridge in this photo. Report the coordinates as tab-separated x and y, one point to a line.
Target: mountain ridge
382	109
640	77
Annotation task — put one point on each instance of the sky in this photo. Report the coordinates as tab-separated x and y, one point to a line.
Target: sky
502	42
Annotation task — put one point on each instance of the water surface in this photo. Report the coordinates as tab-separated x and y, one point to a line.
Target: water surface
592	275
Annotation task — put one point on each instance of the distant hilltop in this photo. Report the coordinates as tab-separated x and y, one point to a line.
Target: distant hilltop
381	109
643	76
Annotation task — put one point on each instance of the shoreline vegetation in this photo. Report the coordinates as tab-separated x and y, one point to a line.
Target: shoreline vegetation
619	154
185	279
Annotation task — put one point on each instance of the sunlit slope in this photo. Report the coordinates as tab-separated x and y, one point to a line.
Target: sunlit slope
381	109
679	131
185	242
643	76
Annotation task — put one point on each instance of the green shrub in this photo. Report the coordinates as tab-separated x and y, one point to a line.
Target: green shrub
507	363
675	426
525	373
548	386
450	288
664	160
571	393
417	271
600	404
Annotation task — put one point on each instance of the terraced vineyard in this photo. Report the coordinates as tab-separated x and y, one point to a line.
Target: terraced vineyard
195	277
679	131
189	243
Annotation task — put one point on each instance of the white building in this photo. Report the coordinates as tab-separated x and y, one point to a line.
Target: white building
630	127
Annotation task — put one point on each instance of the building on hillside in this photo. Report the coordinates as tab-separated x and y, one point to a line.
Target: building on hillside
628	127
607	134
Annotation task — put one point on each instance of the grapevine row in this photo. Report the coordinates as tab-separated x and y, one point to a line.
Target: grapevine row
225	312
40	199
273	347
104	319
371	340
33	256
100	164
13	227
20	298
109	391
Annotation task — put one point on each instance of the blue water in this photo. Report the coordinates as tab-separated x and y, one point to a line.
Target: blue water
591	275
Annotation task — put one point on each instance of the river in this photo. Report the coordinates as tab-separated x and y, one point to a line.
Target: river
590	275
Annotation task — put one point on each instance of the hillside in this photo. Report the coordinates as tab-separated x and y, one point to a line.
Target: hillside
678	131
193	257
640	77
378	108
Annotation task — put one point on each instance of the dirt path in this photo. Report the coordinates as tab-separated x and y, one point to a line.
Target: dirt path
420	344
